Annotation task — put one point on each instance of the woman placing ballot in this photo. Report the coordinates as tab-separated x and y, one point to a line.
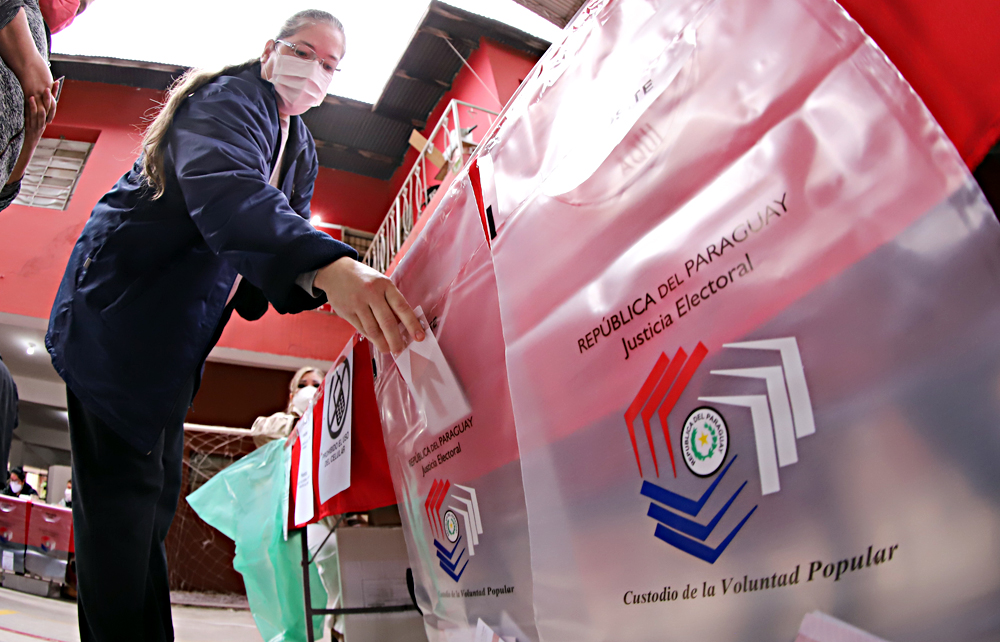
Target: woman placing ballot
212	218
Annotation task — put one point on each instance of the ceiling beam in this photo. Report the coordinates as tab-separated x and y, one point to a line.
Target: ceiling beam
370	155
422	78
458	41
400	114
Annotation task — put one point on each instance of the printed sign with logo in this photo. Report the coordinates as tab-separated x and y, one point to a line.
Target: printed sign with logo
453	500
334	452
450	438
50	535
341	436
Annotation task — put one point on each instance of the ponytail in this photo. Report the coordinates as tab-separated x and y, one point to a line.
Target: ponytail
154	141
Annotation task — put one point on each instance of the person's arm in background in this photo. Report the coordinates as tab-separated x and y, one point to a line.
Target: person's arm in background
34	125
18	52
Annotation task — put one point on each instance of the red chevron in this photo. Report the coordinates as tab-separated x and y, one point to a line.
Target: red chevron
656	399
427	506
440	500
640	399
675	394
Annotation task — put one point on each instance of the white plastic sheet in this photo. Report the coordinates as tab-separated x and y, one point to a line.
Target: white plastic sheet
458	485
749	300
735	294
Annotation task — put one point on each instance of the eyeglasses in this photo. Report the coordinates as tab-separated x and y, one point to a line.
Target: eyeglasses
307	53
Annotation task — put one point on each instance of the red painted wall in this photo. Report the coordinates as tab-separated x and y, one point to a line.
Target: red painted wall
465	87
510	67
501	70
35	243
351	199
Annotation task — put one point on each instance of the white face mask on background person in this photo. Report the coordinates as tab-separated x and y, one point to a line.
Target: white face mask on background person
16	487
300	402
68	495
301	84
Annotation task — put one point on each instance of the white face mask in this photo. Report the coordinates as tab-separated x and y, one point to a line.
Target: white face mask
300	402
301	84
68	495
16	487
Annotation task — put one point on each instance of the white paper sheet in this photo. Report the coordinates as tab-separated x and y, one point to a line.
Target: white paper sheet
334	471
432	382
304	508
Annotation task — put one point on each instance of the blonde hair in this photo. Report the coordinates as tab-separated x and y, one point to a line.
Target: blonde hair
293	387
154	140
301	372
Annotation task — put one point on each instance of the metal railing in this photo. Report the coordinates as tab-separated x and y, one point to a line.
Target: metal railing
358	239
414	194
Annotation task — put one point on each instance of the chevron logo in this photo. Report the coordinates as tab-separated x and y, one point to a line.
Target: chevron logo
461	514
780	417
449	560
658	395
687	534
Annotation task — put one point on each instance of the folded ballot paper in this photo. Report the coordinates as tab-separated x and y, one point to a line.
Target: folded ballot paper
485	634
432	383
820	627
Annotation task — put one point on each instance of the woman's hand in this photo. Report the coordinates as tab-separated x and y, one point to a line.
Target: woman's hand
35	119
370	302
36	83
34	125
18	51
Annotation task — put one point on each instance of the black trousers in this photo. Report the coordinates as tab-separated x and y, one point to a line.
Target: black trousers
123	503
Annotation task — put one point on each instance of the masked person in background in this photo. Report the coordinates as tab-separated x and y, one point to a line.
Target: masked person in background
305	383
212	218
17	485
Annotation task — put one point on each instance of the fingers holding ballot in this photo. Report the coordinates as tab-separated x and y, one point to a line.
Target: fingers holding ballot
370	302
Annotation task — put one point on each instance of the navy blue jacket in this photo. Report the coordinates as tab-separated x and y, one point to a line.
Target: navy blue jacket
143	299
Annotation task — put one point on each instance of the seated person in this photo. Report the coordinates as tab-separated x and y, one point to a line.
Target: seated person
18	485
303	387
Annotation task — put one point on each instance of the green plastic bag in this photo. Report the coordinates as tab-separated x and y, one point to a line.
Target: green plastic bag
247	502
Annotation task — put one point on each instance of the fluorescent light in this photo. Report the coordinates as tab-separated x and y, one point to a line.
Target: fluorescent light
316	220
31	348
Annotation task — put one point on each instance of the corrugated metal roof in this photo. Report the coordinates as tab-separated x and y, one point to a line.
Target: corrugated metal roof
558	12
113	71
350	135
428	67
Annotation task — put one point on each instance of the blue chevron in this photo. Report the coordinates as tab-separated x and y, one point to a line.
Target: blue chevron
447	562
687	526
444	550
691	547
679	502
452	575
